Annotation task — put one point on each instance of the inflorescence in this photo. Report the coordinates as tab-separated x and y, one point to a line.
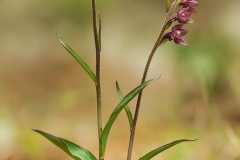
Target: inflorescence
183	17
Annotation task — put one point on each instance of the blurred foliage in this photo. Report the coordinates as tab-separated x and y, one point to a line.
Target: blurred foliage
206	60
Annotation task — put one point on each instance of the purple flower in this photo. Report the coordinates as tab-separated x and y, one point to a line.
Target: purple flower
189	3
182	16
176	35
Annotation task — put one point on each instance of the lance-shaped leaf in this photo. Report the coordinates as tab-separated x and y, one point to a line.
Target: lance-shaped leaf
79	60
127	109
116	112
73	150
163	148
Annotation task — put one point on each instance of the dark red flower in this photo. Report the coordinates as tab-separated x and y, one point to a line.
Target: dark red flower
176	35
182	16
189	3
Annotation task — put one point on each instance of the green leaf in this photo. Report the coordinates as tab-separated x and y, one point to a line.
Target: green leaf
99	32
79	60
163	148
168	4
166	26
116	112
73	150
127	109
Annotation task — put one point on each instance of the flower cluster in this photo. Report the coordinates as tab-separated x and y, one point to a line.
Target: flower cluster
183	17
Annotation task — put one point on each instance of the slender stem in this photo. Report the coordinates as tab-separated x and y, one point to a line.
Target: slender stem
156	45
98	86
133	128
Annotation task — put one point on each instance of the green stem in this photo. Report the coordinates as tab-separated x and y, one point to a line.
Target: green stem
156	45
98	86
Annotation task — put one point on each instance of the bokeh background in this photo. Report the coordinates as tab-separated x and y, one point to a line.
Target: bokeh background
42	86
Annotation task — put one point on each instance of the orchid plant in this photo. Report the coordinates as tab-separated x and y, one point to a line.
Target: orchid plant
182	16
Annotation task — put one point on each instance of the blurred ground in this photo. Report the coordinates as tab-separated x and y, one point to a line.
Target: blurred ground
41	85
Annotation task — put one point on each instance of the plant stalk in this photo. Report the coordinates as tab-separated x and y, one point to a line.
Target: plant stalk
155	47
133	128
98	86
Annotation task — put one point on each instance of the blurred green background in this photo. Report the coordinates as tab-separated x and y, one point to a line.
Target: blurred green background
42	86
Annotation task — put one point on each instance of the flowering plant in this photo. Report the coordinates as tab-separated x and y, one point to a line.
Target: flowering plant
176	34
